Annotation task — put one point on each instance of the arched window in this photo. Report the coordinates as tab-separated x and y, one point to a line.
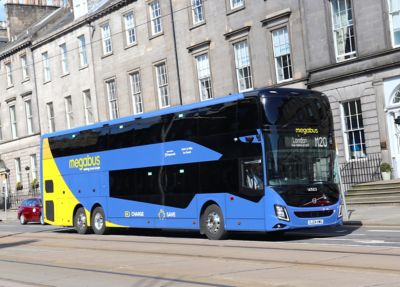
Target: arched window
396	97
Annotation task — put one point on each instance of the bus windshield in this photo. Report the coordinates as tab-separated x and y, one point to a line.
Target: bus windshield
299	159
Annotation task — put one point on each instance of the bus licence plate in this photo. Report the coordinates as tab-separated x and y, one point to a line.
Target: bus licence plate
315	221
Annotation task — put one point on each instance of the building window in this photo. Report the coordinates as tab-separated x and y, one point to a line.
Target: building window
87	105
162	85
394	8
64	59
204	77
236	4
24	68
29	117
155	17
46	67
112	99
354	130
343	29
197	11
396	98
50	117
9	75
136	93
243	68
69	114
18	170
283	63
13	122
130	32
34	173
83	60
106	36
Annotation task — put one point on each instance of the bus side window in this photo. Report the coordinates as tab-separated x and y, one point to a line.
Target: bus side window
49	186
252	174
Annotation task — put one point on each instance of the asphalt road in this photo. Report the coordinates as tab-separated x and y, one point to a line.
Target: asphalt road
35	255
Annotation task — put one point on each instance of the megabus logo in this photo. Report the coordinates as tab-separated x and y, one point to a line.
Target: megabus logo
306	131
87	163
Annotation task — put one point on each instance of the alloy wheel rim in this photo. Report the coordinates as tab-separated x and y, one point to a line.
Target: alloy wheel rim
81	220
98	221
213	222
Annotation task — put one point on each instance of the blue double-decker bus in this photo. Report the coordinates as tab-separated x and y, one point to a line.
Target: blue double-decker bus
255	161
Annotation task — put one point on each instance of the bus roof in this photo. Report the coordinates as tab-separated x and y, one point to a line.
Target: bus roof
183	108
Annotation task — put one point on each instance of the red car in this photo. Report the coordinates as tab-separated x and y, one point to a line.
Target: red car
30	211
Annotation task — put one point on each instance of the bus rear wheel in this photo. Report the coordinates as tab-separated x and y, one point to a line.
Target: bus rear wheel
80	221
213	224
99	221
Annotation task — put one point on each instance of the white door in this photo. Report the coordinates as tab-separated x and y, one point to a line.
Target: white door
394	136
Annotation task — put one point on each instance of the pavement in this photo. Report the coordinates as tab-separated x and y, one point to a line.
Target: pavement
366	215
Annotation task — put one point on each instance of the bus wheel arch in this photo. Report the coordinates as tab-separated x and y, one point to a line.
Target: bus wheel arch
212	222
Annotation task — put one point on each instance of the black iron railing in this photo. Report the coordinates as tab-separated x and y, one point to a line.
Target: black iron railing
362	170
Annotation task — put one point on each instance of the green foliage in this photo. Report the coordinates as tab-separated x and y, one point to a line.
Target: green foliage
19	185
385	167
35	183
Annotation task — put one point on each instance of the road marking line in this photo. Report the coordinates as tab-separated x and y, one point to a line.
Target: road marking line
382	230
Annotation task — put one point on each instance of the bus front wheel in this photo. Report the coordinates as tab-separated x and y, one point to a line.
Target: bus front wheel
99	221
212	222
80	221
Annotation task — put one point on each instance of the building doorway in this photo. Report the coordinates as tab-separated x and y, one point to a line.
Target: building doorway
393	124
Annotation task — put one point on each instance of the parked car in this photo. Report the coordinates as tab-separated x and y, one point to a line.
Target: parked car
30	211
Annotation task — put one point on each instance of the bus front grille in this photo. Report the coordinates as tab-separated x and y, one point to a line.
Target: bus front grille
311	214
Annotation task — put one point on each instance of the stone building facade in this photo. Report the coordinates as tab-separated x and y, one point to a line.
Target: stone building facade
118	58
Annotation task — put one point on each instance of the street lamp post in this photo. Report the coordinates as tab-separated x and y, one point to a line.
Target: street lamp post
27	168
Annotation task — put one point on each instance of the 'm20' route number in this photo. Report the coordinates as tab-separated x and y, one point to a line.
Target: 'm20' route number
321	142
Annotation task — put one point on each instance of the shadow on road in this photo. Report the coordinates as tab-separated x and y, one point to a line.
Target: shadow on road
295	235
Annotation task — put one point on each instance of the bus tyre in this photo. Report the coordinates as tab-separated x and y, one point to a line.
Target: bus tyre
212	222
80	221
99	221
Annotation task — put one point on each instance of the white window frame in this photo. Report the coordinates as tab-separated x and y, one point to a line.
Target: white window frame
282	54
342	29
87	106
33	160
10	82
29	116
111	87
236	4
394	15
204	76
106	39
50	117
64	59
162	84
83	59
69	112
351	151
130	28
198	16
46	67
155	17
244	75
24	67
13	121
136	90
18	170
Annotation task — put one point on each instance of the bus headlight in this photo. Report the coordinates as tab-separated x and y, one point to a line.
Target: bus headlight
281	212
340	211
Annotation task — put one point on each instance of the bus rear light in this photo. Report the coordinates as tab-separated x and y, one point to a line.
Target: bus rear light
281	212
